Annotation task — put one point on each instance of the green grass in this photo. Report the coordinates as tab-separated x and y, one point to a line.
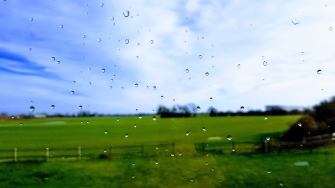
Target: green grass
224	169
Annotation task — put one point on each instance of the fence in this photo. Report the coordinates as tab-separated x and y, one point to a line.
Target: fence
180	149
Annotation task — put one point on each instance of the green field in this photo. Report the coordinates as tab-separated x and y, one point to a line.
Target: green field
224	169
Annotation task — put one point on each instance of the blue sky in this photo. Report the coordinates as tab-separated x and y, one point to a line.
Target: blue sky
226	34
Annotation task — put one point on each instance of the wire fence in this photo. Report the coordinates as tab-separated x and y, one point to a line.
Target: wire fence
170	149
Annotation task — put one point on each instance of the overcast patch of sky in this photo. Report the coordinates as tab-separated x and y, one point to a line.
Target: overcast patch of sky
224	33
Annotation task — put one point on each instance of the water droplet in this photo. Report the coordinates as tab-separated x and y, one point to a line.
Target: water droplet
203	128
281	183
72	92
268	138
154	118
229	137
118	119
139	117
126	13
105	150
58	62
53	58
111	87
80	106
156	162
30	49
265	63
135	125
13	117
200	56
136	85
330	29
191	180
52	106
211	98
61	26
189	79
319	71
152	41
101	4
233	150
212	169
106	132
87	122
238	65
186	70
299	124
31	108
31	19
269	171
99	39
302	53
84	36
206	73
81	122
126	135
198	108
21	124
154	87
186	30
187	133
206	163
126	41
265	118
103	70
162	97
295	22
172	154
133	176
242	108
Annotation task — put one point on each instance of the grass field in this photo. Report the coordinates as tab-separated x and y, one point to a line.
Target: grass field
239	169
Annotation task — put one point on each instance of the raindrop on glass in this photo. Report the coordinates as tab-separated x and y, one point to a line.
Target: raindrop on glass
212	169
52	106
204	129
162	97
242	108
118	119
319	71
101	4
238	65
152	41
105	150
12	117
187	133
154	118
268	138
61	26
135	125
136	85
295	22
99	39
265	63
21	124
80	106
299	124
200	56
103	70
186	30
229	137
81	122
106	132
211	98
206	163
191	180
31	19
58	62
198	108
330	29
126	41
84	36
30	49
154	87
87	122
72	92
31	108
126	13
139	117
265	117
172	154
156	162
186	70
206	73
281	183
53	58
269	171
126	135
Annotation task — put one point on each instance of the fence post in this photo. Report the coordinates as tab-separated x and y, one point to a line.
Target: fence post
79	152
15	154
47	154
